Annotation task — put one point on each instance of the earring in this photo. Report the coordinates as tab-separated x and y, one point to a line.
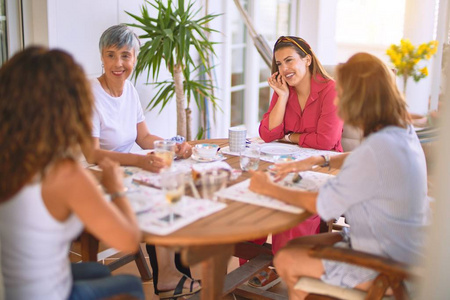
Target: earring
103	71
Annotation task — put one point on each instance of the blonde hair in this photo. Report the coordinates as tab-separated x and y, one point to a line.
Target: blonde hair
368	94
46	110
303	49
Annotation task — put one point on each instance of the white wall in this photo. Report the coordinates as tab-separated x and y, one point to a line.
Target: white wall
419	28
219	126
76	27
316	24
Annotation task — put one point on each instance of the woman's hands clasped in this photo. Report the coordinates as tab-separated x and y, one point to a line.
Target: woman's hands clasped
153	163
183	150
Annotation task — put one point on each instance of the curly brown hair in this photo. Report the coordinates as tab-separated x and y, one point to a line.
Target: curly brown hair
368	94
46	107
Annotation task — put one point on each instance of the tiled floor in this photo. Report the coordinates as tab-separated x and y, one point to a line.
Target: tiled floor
148	286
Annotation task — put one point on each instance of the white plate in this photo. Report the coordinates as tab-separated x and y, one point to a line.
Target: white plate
279	149
218	157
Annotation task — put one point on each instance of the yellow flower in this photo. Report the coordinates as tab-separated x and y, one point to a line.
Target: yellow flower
422	49
405	57
434	43
424	71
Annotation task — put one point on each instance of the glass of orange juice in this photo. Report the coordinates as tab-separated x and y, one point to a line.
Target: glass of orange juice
166	150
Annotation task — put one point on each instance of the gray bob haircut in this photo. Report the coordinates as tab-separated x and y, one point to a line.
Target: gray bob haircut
119	36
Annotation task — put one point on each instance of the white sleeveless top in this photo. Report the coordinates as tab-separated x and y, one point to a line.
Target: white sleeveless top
35	247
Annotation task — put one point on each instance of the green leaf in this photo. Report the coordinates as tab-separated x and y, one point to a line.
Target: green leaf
167	39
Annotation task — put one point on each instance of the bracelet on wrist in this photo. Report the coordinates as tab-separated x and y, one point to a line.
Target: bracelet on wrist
120	194
326	157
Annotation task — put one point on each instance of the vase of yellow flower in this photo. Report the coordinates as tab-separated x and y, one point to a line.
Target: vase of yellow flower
406	57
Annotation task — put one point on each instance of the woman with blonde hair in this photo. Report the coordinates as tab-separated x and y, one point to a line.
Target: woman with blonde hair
46	196
381	187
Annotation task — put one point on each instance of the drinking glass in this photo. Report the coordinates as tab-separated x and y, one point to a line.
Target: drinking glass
172	183
166	150
213	181
249	159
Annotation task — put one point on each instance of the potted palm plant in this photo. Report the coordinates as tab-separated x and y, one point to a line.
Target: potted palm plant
169	37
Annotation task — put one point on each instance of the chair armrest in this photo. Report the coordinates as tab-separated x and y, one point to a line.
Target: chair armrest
380	264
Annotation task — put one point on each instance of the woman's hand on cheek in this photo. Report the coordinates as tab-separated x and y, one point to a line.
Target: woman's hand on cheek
279	85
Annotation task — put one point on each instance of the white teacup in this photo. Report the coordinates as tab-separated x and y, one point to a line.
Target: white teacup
205	150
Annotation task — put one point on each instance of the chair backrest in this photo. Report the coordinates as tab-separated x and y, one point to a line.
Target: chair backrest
351	136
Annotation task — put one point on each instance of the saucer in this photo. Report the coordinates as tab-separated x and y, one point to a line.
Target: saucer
217	157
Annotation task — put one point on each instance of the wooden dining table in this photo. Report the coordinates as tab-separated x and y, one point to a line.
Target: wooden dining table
212	240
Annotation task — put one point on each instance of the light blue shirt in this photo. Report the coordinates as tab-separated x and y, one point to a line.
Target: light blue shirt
382	191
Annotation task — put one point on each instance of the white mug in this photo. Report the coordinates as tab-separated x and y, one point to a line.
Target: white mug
236	138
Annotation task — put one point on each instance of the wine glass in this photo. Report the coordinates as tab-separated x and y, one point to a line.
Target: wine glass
172	183
166	150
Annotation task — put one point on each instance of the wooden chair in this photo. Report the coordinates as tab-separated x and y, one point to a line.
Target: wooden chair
259	257
89	249
392	274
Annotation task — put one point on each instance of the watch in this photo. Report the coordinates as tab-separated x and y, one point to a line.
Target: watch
287	137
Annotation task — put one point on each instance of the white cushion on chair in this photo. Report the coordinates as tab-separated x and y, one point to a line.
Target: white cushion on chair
317	286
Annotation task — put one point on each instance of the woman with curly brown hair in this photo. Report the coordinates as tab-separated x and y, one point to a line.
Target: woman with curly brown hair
46	196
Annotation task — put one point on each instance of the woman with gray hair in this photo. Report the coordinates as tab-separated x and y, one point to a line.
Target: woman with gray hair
118	123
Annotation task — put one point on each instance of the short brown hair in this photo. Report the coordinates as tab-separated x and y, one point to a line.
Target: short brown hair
303	49
46	109
369	96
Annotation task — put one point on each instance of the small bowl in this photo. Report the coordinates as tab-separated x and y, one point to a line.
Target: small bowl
206	150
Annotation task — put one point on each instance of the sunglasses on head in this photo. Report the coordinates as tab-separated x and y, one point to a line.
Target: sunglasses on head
286	39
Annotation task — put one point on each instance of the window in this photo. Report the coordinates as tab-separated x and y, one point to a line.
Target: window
3	33
250	93
369	25
11	38
238	53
